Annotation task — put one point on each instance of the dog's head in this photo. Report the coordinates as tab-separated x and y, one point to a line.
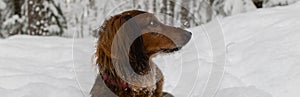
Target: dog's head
140	32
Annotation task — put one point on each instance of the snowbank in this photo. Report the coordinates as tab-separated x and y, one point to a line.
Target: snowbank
43	67
263	51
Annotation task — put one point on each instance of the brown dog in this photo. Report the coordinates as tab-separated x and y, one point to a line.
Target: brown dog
125	47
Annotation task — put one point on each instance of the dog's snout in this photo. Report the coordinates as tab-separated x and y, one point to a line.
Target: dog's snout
190	33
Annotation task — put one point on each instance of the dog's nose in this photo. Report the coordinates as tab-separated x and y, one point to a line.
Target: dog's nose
190	33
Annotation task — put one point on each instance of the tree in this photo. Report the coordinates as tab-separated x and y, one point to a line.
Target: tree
164	9
11	23
44	18
273	3
258	3
154	6
231	7
32	17
171	11
184	13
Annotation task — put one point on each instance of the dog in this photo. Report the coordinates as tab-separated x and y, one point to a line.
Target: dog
126	44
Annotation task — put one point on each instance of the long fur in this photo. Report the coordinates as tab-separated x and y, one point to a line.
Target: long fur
118	59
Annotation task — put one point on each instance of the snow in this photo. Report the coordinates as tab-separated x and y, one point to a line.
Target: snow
51	7
37	9
267	39
30	2
13	20
262	60
53	28
2	5
43	67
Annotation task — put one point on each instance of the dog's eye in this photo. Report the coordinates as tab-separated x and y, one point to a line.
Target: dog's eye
153	23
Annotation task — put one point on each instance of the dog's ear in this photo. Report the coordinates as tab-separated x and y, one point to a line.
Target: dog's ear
127	39
127	17
127	33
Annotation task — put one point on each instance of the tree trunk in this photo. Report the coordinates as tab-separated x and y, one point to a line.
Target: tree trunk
134	3
81	27
35	16
211	2
17	4
184	13
18	7
258	3
154	6
172	11
30	16
146	5
163	10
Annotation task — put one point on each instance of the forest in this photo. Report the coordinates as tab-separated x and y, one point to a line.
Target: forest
82	18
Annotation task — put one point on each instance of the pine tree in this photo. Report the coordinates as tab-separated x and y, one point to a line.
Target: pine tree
184	13
32	17
154	6
11	18
164	9
273	3
172	11
44	18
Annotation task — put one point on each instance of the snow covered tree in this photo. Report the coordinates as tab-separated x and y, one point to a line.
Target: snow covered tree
273	3
32	17
84	16
231	7
172	12
164	9
2	6
10	17
184	13
44	18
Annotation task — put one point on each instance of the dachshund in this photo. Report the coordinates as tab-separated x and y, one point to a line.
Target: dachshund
126	44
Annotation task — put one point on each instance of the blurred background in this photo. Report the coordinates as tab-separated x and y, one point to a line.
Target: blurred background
82	18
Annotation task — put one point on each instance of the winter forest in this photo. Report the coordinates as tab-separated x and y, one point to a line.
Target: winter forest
82	18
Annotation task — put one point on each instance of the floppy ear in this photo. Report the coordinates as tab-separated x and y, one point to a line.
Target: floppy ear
126	34
106	35
127	39
127	17
116	27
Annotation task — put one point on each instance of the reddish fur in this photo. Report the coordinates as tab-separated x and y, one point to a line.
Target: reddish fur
141	51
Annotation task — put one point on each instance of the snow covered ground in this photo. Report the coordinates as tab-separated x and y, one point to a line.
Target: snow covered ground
263	51
43	67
